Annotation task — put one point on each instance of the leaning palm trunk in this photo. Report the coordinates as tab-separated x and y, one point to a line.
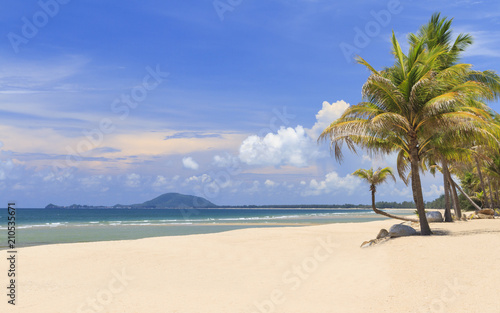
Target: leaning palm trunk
387	214
447	191
482	181
466	195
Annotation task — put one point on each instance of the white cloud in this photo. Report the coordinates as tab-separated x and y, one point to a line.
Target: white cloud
289	146
254	188
189	163
160	181
270	183
387	190
226	160
434	192
133	180
333	183
325	116
379	161
199	179
5	168
95	181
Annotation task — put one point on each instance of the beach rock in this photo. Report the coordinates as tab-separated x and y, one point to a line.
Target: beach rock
382	233
486	212
366	244
373	242
400	230
484	216
497	212
434	216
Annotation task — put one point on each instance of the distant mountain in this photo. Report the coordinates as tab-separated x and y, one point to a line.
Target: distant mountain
165	201
177	200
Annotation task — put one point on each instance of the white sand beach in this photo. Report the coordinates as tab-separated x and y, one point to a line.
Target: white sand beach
309	269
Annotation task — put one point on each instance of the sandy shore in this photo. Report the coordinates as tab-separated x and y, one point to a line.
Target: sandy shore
313	269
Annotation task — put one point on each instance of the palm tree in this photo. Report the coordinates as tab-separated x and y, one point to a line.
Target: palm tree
438	33
470	183
374	179
493	171
406	106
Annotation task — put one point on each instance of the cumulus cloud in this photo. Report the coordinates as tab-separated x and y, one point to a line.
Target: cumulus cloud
254	187
160	181
270	183
198	179
289	146
133	180
5	168
189	163
226	160
325	116
95	182
333	183
434	191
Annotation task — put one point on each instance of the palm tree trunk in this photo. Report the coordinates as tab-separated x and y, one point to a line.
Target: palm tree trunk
491	191
465	195
446	183
387	214
453	190
416	186
496	194
456	206
482	181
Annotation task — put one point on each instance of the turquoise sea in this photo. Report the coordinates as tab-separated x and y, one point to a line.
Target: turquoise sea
49	226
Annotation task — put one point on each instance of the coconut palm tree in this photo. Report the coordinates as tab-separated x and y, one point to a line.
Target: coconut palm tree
493	172
375	178
406	106
438	33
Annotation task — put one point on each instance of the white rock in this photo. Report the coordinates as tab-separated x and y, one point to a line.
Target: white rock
382	233
400	230
434	216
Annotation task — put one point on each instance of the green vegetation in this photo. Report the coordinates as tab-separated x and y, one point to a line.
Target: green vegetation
426	107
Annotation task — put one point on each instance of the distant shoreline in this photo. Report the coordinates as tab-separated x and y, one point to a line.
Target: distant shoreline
245	207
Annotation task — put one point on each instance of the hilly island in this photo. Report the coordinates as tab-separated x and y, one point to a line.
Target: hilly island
165	201
179	201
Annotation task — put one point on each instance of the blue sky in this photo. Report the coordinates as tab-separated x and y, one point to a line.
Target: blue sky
118	102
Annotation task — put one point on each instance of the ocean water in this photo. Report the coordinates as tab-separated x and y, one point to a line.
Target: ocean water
49	226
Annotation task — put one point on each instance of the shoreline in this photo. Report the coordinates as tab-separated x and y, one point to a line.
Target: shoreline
316	268
98	231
